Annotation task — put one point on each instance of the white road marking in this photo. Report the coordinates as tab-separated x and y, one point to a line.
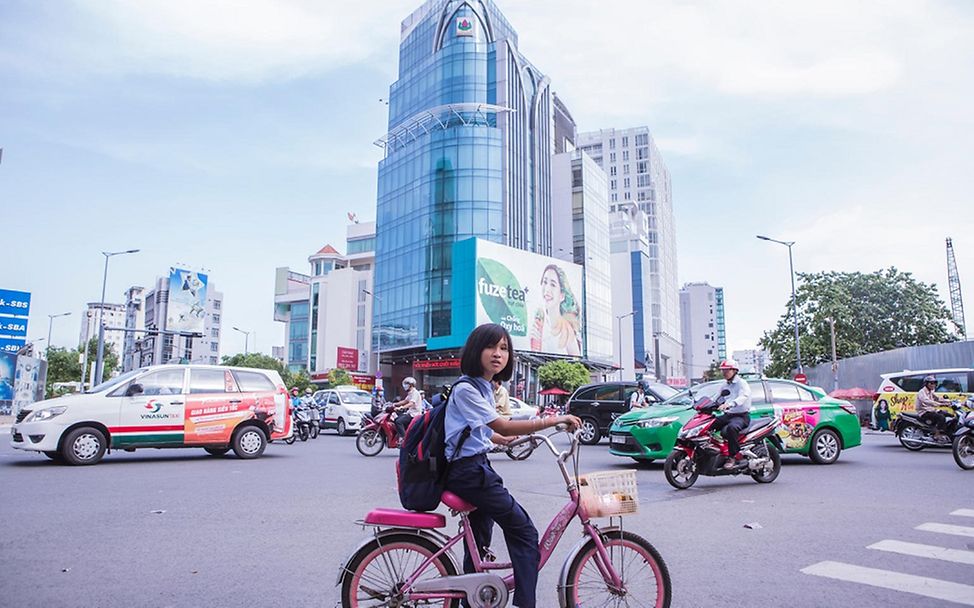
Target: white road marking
943	553
947	529
963	512
897	581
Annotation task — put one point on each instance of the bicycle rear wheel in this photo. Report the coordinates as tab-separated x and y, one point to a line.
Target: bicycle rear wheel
376	573
645	579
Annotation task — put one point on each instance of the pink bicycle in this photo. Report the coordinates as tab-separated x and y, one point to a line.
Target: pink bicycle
408	562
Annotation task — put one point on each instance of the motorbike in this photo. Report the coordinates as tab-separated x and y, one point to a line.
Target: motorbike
301	422
314	411
378	433
915	434
963	444
698	451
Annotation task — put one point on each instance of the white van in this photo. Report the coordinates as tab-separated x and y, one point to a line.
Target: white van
898	390
162	406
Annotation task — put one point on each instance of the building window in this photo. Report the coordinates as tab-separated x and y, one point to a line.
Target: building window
612	184
625	154
625	169
625	142
612	170
612	157
627	195
642	167
625	183
214	347
615	197
642	139
612	144
216	304
642	153
643	181
216	319
215	332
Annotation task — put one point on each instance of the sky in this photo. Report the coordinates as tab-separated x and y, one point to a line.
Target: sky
234	137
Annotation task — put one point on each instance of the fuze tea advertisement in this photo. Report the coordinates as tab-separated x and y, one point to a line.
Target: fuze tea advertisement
187	301
536	298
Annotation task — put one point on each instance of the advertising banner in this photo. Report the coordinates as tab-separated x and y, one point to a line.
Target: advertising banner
536	298
30	378
187	301
13	326
14	302
347	358
8	368
11	345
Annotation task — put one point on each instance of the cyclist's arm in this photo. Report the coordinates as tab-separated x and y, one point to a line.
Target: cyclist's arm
506	426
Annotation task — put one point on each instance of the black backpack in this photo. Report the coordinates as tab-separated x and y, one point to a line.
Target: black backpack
422	467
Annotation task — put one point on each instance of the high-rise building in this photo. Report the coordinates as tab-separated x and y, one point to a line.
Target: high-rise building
752	359
135	322
580	229
638	178
467	154
327	314
702	316
113	317
165	337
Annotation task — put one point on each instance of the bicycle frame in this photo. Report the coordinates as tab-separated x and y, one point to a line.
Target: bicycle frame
547	543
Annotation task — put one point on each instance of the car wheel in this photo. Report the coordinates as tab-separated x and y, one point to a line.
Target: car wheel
342	430
249	442
83	446
825	448
911	437
589	432
216	451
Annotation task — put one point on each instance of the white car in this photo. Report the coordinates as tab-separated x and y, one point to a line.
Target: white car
343	408
521	410
162	406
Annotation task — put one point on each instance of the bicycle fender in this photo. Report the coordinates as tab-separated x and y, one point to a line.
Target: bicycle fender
437	538
563	600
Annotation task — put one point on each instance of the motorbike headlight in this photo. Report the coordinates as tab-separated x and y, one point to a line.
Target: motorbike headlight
45	414
651	423
690	433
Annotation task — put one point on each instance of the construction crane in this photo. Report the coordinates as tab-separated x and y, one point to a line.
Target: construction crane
953	283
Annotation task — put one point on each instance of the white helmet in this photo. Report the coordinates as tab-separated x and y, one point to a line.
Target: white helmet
408	381
729	364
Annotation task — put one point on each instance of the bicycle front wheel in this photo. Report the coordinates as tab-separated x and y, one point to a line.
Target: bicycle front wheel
645	579
375	575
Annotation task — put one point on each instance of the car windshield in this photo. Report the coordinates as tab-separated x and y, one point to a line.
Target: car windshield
356	397
116	381
664	391
693	394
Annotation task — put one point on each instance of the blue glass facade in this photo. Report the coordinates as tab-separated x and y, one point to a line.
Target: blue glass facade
298	338
466	156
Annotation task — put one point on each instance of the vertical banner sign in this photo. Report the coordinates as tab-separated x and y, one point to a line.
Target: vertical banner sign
347	358
186	309
14	310
30	379
16	303
8	367
11	345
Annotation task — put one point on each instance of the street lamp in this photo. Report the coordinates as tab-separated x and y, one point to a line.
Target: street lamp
619	319
794	298
50	323
377	330
246	337
100	362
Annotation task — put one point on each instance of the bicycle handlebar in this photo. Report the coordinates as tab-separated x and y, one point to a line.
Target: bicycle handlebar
537	439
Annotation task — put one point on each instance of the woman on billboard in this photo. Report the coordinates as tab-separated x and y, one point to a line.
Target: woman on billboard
557	323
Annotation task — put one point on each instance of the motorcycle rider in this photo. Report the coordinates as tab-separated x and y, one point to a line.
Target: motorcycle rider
736	407
926	406
411	405
295	396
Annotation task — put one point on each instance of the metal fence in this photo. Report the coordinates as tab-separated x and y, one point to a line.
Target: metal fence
864	371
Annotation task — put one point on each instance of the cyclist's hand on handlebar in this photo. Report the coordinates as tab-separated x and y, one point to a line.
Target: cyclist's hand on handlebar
571	422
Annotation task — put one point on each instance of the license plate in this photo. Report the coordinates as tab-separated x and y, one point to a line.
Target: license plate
617	439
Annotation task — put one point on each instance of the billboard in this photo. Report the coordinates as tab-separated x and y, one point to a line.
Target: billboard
11	345
187	301
8	368
29	382
537	298
347	358
15	303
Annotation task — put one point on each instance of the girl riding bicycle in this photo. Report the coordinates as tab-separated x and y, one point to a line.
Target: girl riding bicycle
487	355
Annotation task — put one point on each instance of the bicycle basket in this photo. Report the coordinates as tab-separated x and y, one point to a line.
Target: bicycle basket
609	493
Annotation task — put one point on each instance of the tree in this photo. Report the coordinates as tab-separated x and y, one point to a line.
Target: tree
62	366
109	362
566	375
713	372
337	377
873	312
262	361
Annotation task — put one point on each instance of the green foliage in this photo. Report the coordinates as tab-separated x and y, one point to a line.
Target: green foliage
63	365
337	377
566	375
262	361
713	372
299	379
873	312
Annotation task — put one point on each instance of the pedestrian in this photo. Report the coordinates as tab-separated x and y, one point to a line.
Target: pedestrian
472	415
502	400
882	415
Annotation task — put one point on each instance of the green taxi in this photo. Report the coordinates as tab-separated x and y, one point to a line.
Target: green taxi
812	423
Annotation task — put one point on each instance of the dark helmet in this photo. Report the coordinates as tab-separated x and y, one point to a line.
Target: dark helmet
930	379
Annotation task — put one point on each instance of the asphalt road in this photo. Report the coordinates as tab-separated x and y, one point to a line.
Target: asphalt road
181	528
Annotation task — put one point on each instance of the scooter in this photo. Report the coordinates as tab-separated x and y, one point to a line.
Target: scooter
915	434
963	443
378	433
314	424
698	451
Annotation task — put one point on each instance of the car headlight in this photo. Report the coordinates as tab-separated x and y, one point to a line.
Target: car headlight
653	423
46	414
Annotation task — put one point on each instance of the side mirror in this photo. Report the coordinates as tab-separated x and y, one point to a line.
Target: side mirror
134	389
724	393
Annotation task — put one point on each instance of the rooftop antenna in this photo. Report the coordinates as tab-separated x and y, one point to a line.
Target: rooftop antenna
953	283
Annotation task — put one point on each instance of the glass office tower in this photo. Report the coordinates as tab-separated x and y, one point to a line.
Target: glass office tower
467	154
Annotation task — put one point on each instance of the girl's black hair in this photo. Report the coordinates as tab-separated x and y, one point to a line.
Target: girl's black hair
482	337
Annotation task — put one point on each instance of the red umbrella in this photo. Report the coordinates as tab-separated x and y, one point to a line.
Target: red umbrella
852	393
554	390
